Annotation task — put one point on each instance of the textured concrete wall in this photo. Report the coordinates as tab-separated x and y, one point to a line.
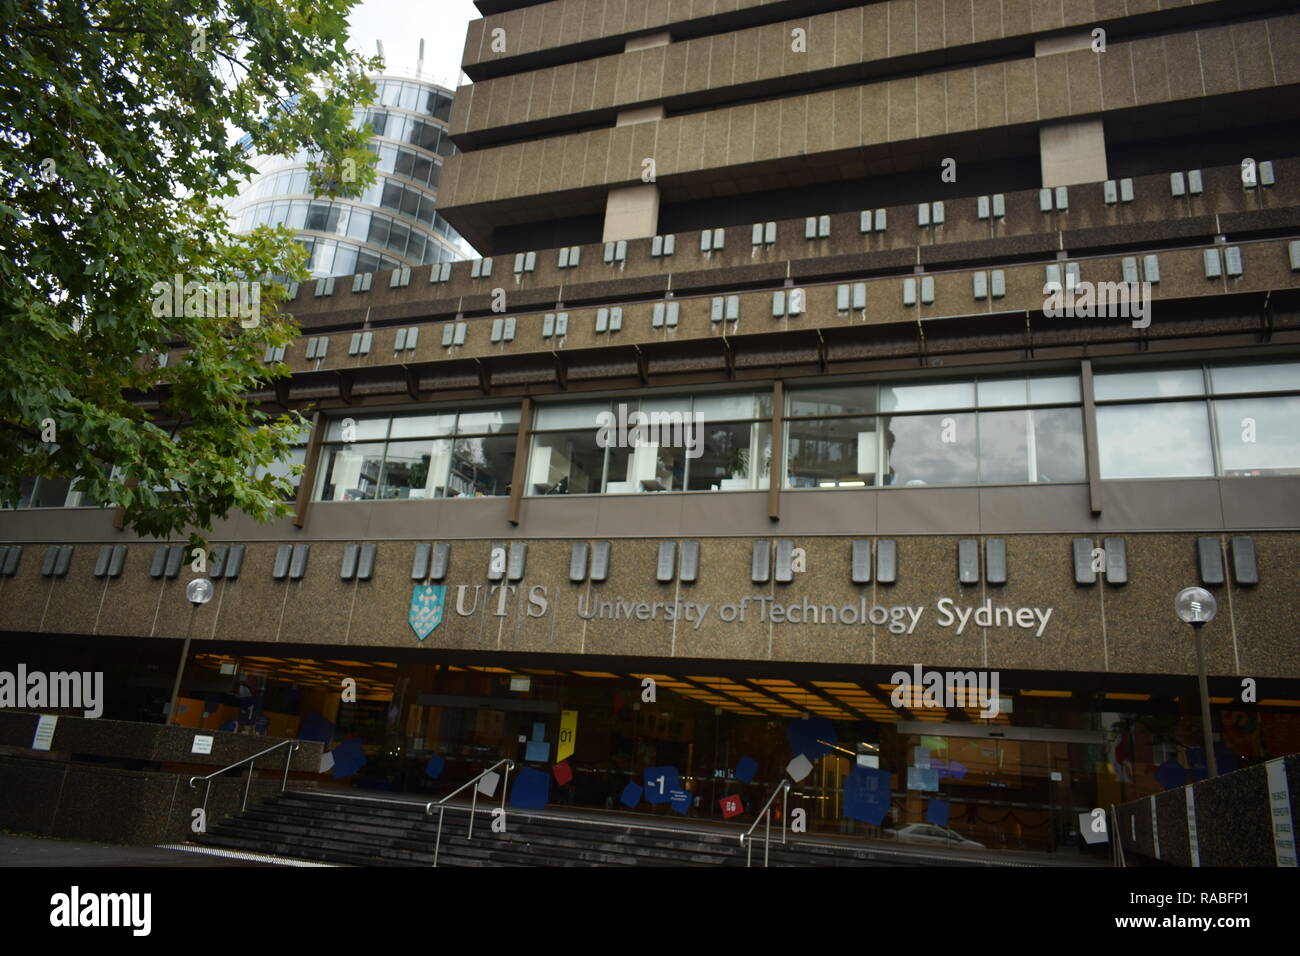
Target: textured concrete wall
725	140
1233	820
1101	627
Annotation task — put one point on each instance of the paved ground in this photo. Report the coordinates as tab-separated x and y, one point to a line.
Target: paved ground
35	851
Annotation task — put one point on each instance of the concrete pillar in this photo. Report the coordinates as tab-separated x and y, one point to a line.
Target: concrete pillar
632	212
1074	151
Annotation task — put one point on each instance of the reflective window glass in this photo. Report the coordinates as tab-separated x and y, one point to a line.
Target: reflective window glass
832	452
413	426
570	415
731	456
1264	377
351	472
837	400
481	466
930	449
565	463
1158	440
1149	383
905	398
496	420
1258	436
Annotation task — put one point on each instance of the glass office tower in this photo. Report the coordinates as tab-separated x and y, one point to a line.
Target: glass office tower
393	223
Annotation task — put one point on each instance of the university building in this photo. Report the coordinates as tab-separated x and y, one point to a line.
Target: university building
814	347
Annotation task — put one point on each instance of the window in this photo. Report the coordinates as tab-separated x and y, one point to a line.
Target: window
420	455
1001	430
705	443
1232	420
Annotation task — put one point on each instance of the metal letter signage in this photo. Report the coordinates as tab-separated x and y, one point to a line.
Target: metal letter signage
427	601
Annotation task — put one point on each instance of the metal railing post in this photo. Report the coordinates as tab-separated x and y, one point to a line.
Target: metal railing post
284	782
438	843
473	804
767	834
785	803
252	764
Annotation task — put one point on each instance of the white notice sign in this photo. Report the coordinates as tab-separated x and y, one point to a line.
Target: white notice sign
202	745
44	732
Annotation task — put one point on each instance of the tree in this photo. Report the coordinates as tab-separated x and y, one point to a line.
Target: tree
118	124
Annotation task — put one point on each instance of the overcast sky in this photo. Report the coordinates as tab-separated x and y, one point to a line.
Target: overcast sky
401	23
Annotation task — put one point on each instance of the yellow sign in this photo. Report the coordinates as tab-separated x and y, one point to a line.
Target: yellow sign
568	734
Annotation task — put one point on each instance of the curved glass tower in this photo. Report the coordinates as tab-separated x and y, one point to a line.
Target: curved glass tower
391	224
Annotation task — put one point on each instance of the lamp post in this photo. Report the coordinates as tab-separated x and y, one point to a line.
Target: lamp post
1197	607
198	591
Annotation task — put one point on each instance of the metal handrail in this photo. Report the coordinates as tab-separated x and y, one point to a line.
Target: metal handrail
473	805
291	744
1117	842
766	814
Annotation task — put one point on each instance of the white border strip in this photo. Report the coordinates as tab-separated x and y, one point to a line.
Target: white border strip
242	855
1279	808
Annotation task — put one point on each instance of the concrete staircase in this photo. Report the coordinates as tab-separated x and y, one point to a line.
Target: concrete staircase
342	829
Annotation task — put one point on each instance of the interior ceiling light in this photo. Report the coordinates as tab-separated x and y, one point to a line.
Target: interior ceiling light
594	674
1047	693
1115	696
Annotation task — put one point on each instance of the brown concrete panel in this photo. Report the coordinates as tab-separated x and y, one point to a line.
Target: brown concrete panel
1117	90
795	112
631	580
724	579
1218	61
990	95
1083	68
846	34
826	583
931	104
1284	47
1053	86
249	608
1260	503
1038	576
1150	75
131	600
961	104
317	608
902	27
927	568
1265	615
1143	634
956	509
958	22
1182	56
1022	91
1046	14
903	118
73	598
929	25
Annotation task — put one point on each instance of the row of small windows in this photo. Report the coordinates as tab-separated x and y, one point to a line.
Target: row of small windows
407	129
402	239
329	257
439	455
405	200
1231	420
415	97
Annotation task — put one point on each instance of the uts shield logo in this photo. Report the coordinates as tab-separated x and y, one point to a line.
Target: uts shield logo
427	601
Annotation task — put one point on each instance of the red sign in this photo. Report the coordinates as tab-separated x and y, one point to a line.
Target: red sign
563	773
731	806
